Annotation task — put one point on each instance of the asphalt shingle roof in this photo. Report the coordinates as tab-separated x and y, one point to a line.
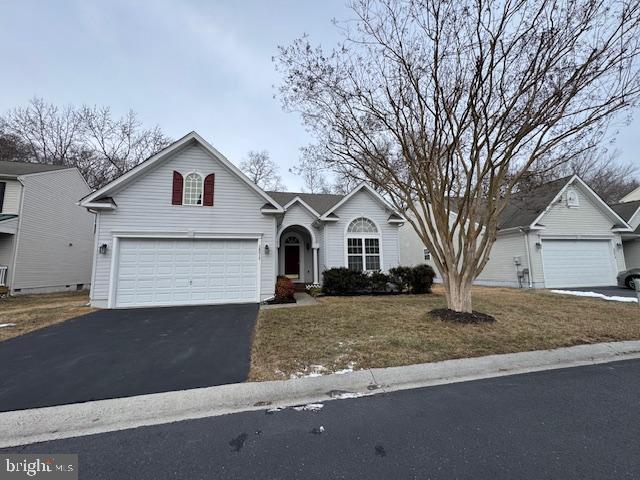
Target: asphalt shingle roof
24	168
320	202
627	209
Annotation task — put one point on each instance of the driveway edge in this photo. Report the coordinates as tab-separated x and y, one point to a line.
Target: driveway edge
50	423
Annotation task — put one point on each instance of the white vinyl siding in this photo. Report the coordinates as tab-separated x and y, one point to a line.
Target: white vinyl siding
362	204
145	205
578	263
500	270
154	272
12	190
632	253
54	244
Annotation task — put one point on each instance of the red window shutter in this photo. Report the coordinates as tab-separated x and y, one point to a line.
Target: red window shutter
176	196
209	183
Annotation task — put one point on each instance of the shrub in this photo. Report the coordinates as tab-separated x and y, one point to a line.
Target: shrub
421	278
401	277
378	281
284	289
343	281
313	289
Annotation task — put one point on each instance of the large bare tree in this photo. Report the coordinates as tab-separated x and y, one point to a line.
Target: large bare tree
90	138
445	105
262	171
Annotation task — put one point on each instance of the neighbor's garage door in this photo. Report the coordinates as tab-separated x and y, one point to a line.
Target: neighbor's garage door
186	272
578	263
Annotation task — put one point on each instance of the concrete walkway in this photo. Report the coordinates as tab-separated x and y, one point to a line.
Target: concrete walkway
42	424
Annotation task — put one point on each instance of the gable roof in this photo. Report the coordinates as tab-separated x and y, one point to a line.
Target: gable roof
362	186
320	202
525	207
14	169
93	199
626	209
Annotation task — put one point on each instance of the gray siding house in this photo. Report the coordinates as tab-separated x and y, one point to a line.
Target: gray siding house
558	235
46	239
630	212
188	227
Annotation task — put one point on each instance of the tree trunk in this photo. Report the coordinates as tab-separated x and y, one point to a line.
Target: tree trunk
458	295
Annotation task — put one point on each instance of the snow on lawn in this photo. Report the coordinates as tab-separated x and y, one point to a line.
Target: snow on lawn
310	407
595	295
2	325
319	370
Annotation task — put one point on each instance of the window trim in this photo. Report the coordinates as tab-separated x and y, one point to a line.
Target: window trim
3	192
426	254
363	236
184	189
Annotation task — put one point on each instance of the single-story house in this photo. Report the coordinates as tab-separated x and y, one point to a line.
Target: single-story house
188	227
630	212
46	239
561	234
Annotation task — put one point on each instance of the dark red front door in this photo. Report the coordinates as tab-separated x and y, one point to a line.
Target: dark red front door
292	260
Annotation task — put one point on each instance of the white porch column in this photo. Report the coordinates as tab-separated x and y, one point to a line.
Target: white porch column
315	265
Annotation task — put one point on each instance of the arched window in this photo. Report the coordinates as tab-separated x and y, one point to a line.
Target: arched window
363	245
291	240
193	189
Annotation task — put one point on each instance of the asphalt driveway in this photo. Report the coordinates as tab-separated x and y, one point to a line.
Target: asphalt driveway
120	353
608	291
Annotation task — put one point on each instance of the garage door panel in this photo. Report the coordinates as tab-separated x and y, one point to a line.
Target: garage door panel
578	263
186	271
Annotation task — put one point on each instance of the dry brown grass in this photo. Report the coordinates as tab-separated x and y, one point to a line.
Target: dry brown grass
31	312
384	331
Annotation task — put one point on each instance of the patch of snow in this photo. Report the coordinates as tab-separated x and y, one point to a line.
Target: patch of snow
310	407
595	295
274	410
349	369
310	371
2	325
342	396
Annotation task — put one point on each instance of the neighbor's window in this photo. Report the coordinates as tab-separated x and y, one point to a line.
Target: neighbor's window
193	189
363	245
427	254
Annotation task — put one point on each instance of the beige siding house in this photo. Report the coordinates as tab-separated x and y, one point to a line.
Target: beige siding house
187	227
46	239
558	236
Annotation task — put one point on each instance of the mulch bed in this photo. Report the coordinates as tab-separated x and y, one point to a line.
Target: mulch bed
278	302
447	315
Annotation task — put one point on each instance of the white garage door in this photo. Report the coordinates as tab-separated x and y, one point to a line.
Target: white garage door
578	263
186	272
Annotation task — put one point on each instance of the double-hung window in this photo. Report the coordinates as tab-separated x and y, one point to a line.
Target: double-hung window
363	245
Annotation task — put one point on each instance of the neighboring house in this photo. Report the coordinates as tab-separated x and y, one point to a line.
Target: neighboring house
46	239
188	227
561	234
630	212
632	196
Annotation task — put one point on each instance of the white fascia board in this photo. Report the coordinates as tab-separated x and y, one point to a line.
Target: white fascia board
297	199
177	145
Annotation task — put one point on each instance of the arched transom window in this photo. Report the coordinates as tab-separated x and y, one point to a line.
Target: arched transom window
363	245
193	189
291	240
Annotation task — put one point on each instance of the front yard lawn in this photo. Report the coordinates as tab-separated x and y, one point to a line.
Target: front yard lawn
384	331
31	312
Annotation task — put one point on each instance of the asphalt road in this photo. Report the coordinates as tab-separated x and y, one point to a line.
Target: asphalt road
578	423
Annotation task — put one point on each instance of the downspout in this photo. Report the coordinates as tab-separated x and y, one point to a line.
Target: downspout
525	231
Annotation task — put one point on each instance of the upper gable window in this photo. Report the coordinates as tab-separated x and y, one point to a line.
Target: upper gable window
362	225
572	198
193	187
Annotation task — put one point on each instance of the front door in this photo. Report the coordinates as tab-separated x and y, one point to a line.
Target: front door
292	261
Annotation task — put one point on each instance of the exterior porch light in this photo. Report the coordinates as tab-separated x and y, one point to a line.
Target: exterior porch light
102	249
266	249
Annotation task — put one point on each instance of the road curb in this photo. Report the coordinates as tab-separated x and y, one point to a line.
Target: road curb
51	423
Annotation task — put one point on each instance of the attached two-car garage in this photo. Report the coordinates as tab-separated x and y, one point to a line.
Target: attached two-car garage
185	271
578	263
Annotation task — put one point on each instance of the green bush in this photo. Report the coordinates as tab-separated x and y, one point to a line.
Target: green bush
421	278
378	282
343	281
401	277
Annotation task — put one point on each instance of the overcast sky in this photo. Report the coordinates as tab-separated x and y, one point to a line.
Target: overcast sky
189	65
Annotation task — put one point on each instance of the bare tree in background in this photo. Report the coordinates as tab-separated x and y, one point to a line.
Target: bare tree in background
601	169
90	138
313	170
262	171
444	106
